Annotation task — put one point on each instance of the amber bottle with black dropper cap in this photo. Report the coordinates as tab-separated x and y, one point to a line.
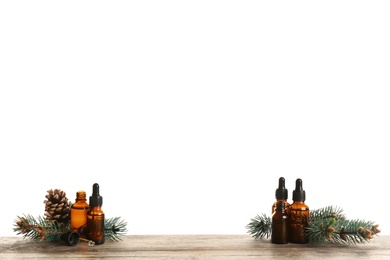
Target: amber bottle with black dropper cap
298	215
95	217
279	220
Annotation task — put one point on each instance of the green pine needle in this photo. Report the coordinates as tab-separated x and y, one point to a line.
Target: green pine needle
114	228
260	226
39	228
326	212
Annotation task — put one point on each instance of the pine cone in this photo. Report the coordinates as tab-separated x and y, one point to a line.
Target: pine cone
57	206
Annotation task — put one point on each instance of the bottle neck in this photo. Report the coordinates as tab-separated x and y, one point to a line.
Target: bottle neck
96	210
81	196
280	206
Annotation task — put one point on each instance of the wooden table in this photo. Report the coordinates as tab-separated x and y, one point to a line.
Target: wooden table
223	247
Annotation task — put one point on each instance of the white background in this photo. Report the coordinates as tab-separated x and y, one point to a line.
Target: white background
187	112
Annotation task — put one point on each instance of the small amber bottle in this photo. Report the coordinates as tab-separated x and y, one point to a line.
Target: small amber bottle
78	213
279	233
95	217
281	195
298	215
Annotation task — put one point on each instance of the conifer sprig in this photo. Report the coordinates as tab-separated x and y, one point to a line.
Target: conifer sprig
40	229
260	226
115	228
342	231
327	212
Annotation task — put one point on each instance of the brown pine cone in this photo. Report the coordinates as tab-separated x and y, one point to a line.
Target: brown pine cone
57	206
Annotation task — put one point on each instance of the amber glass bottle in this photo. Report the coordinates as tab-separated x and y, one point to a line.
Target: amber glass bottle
78	213
298	215
279	233
95	217
281	195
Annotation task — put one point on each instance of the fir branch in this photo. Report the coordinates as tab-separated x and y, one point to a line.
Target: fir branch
326	213
321	231
260	226
356	231
342	231
39	228
114	228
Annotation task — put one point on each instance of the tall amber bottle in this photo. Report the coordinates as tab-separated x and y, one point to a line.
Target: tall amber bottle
279	218
281	195
78	213
279	234
298	215
95	217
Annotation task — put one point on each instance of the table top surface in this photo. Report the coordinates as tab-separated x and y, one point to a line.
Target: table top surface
191	247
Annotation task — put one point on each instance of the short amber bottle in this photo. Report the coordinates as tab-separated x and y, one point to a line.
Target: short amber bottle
279	222
78	213
95	217
298	215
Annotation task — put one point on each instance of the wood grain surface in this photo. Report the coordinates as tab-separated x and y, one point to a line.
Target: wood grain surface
191	247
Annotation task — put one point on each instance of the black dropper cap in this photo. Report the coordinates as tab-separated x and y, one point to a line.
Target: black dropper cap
95	199
281	192
299	194
71	238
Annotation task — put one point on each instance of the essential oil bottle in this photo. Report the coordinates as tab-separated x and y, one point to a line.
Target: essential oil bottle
279	224
279	218
298	215
95	217
78	213
281	195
